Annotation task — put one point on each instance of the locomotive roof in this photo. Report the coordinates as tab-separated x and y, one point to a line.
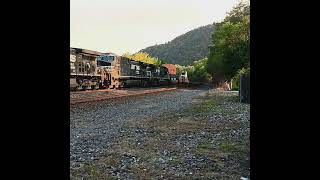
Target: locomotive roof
86	51
110	53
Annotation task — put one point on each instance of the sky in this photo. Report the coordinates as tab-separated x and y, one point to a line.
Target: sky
121	26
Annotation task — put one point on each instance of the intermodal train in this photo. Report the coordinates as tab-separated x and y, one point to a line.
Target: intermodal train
95	70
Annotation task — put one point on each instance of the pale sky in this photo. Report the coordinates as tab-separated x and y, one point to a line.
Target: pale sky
121	26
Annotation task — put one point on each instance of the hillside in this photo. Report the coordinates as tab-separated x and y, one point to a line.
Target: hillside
185	48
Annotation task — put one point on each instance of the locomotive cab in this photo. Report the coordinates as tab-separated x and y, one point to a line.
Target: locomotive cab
107	65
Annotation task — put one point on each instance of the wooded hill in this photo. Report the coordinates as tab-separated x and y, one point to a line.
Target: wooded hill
184	49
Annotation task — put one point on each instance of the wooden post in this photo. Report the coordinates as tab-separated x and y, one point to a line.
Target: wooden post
244	90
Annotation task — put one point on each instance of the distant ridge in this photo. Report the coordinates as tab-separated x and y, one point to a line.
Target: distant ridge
184	49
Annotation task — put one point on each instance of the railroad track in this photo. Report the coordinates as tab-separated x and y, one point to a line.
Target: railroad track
101	95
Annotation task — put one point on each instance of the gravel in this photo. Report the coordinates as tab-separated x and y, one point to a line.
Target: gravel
95	126
184	134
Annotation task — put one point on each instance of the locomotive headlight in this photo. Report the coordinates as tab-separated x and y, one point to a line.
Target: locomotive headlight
88	66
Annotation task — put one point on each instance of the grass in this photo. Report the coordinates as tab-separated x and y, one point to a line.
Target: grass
176	161
205	145
204	107
91	171
227	147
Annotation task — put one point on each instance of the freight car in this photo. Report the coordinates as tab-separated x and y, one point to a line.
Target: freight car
172	73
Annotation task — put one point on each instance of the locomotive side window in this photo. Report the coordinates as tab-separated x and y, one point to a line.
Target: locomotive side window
72	67
87	66
79	67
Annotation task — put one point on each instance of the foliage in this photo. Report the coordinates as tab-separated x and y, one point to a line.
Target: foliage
143	57
197	71
184	49
200	73
238	12
231	44
181	69
236	78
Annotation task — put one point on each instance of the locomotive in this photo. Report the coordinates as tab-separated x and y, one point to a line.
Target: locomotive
83	69
95	70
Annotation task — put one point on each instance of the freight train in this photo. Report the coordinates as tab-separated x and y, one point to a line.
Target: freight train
95	70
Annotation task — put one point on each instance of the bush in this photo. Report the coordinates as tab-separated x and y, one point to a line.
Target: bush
197	71
236	78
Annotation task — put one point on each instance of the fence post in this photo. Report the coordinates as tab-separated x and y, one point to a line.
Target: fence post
244	90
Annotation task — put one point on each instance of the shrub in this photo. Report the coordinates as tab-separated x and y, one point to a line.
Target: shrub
236	78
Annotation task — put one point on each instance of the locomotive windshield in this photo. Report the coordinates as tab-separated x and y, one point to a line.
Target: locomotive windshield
105	60
103	63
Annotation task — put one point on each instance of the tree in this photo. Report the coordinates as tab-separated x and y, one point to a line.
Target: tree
197	71
200	73
236	78
238	12
143	57
230	50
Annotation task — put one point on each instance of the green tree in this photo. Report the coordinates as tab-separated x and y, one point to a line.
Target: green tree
236	78
143	57
197	71
230	50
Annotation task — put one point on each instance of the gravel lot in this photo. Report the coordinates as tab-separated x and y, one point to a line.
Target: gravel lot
95	125
183	134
